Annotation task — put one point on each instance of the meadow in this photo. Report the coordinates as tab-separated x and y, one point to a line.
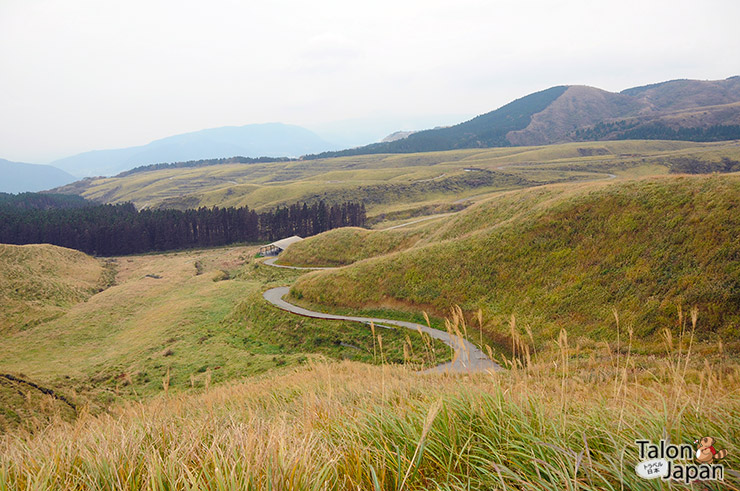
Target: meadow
604	283
568	420
561	256
406	183
171	323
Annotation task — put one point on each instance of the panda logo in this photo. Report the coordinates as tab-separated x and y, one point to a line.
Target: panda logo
705	451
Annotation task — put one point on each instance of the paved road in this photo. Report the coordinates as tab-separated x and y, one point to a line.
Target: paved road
271	262
468	357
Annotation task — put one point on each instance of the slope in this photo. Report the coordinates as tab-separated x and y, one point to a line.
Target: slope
568	257
393	183
487	130
179	321
567	113
40	282
577	107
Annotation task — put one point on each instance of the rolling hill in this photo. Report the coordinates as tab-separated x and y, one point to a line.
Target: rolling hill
20	178
40	282
395	186
114	329
255	140
564	256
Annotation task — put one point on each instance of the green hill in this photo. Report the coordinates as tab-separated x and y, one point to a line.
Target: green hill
39	283
347	245
173	322
393	185
565	257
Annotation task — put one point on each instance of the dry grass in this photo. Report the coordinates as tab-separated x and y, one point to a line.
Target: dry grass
395	181
166	325
561	423
39	282
563	256
346	245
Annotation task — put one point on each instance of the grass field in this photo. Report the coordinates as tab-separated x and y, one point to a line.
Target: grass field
181	321
564	257
398	183
569	422
39	282
347	245
613	302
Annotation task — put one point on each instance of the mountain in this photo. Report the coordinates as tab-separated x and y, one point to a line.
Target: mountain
690	110
19	177
397	135
254	140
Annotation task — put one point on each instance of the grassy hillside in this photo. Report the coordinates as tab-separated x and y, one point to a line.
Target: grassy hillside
397	182
347	245
566	257
179	321
39	282
350	426
25	404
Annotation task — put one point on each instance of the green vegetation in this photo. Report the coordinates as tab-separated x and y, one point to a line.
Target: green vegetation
486	130
565	258
110	230
347	245
352	426
634	130
175	322
26	405
40	282
42	201
613	302
397	183
202	163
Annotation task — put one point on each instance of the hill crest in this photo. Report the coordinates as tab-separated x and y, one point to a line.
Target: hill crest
578	113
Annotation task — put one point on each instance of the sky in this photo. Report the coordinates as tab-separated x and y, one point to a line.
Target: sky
79	75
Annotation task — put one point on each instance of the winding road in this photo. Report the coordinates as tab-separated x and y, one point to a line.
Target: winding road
468	358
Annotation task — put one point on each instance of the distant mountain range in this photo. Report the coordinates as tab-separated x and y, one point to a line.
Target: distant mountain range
676	110
254	140
18	177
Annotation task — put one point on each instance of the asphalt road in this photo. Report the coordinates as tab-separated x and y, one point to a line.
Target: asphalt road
468	358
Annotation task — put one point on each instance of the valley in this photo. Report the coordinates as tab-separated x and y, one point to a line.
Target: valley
602	277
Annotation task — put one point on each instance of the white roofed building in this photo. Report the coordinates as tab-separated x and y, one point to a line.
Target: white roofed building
278	246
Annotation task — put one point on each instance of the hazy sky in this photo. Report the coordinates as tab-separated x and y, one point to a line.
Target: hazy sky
78	75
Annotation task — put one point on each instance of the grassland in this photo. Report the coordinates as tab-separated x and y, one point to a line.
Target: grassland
565	423
397	183
613	302
567	257
347	245
178	322
39	282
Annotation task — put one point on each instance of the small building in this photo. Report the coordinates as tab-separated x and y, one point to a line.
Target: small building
278	246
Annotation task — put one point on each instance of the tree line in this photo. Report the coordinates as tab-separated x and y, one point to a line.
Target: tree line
635	130
204	163
111	230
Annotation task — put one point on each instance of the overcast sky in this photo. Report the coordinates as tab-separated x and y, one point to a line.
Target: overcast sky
79	75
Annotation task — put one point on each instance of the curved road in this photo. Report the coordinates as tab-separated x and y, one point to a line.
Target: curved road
271	262
468	358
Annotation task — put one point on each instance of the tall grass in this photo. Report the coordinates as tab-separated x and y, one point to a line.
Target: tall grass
554	422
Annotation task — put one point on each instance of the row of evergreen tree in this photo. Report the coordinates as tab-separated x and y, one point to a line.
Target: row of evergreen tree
109	230
634	130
